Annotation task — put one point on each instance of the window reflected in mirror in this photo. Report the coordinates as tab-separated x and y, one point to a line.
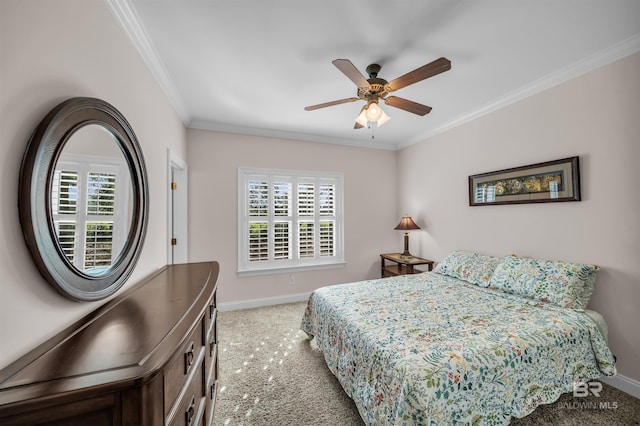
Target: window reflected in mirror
91	200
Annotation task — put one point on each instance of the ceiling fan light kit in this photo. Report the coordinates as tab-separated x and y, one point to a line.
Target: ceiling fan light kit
373	89
372	113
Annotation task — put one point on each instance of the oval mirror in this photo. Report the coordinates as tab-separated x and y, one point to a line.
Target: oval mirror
83	198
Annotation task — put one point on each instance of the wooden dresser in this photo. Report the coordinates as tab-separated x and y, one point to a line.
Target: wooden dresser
147	357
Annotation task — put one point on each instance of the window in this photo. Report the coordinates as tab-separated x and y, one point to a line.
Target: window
89	215
289	219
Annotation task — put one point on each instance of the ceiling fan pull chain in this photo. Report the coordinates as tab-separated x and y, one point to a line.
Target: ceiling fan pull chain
371	127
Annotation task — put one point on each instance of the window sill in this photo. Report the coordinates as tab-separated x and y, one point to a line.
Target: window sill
289	269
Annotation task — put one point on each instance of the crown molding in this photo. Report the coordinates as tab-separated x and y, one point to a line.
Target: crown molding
128	19
590	63
295	136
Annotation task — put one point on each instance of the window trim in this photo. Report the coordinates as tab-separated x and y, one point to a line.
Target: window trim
271	266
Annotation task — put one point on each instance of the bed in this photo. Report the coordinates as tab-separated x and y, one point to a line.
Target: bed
477	341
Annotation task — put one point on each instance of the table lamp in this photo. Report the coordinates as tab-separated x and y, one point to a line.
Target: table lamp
406	224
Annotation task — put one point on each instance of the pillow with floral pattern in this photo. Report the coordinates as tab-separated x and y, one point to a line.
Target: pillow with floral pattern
474	268
565	284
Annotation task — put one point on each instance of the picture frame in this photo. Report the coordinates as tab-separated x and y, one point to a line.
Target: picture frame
547	182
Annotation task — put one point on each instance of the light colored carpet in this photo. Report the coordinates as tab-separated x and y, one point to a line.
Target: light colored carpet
272	374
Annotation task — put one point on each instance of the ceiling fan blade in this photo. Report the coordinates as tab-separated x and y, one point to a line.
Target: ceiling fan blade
407	105
332	103
352	72
419	74
358	126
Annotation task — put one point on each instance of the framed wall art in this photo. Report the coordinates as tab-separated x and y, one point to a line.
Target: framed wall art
551	181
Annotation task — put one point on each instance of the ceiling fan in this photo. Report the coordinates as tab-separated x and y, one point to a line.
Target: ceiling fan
373	89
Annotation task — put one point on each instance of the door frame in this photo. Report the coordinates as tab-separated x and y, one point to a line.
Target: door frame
177	209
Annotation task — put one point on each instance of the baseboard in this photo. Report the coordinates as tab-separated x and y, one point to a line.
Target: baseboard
268	301
625	384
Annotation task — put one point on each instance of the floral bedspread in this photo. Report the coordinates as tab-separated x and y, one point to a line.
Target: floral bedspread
427	349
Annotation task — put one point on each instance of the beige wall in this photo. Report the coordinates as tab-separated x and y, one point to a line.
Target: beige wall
51	51
595	116
370	207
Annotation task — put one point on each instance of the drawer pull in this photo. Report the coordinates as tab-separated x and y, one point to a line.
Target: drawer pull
190	413
189	357
212	388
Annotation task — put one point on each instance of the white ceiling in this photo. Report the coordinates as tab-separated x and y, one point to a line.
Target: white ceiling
251	66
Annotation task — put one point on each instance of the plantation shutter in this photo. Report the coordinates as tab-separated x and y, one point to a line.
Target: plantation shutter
66	231
306	220
101	193
327	219
287	219
64	193
98	246
258	205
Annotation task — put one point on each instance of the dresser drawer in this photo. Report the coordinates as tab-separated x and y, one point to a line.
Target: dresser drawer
182	364
212	387
190	410
97	411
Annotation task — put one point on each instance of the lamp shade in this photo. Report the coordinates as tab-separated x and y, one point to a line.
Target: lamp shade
373	111
406	224
383	118
362	118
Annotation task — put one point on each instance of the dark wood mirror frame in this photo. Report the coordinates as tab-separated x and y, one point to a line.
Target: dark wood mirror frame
34	202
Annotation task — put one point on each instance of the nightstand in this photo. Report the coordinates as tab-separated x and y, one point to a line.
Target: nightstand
403	265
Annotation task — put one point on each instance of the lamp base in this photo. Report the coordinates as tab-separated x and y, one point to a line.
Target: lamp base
405	254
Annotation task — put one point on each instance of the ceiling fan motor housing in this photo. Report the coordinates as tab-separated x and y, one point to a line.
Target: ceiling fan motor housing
377	87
